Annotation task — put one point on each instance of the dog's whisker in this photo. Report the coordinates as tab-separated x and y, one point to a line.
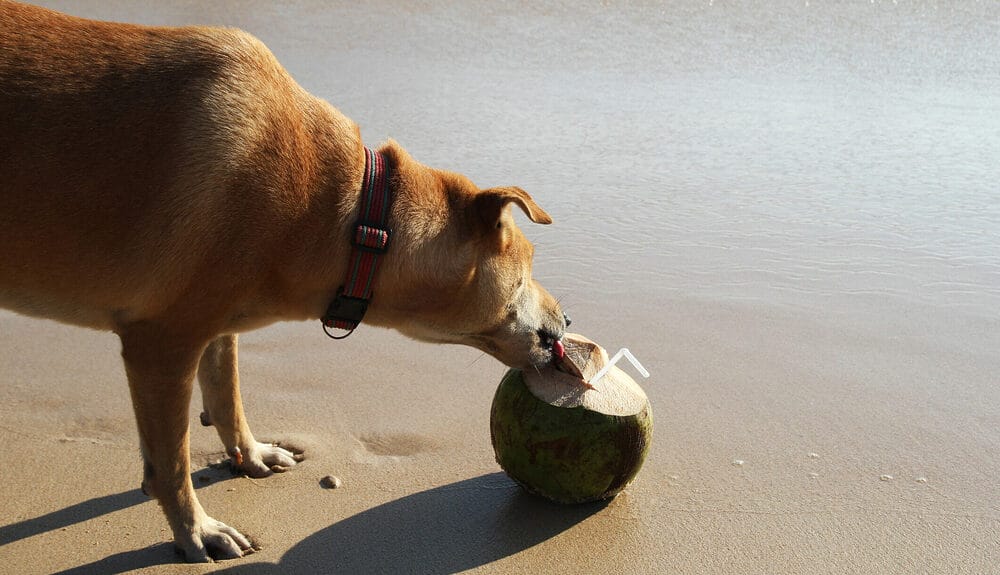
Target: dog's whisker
476	360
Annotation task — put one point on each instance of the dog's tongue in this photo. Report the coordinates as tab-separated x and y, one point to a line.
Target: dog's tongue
559	349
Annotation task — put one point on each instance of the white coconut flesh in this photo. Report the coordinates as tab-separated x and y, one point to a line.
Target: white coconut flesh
614	394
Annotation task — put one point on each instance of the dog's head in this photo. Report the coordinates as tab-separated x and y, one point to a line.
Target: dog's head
459	269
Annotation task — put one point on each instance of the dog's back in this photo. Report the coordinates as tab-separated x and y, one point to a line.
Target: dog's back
122	149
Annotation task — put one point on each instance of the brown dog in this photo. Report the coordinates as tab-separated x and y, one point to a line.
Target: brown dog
176	186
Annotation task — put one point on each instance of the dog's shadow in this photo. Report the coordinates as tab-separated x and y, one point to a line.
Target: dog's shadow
447	529
104	505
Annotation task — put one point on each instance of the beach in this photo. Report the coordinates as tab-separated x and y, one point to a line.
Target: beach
787	211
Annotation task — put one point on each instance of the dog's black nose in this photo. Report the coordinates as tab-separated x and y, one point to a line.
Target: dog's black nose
567	320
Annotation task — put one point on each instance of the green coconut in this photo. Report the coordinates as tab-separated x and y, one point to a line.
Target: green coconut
561	438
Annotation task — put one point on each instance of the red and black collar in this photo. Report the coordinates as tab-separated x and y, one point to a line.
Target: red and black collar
369	241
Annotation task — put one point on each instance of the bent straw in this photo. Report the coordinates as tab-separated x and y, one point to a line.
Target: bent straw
621	352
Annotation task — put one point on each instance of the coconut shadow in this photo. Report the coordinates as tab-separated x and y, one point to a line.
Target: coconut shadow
447	529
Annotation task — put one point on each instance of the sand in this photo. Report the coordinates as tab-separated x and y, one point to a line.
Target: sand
834	418
758	464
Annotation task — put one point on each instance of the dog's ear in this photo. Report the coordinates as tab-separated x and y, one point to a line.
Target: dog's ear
491	203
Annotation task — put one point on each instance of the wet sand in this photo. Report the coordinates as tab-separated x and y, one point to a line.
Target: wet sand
801	246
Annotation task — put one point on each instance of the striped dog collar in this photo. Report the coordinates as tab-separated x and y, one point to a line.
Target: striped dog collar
369	240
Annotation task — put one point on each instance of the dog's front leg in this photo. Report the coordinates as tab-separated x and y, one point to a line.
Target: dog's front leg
161	366
218	375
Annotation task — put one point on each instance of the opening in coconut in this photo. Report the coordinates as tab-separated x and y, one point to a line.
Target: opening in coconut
566	383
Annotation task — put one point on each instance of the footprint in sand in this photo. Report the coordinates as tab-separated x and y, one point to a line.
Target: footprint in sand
396	444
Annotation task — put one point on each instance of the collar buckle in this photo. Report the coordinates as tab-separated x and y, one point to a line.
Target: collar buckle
344	312
371	237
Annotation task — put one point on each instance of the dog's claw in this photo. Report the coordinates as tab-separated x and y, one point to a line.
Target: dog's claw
263	459
210	540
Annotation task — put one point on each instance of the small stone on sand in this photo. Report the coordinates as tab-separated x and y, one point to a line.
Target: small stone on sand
330	482
885	477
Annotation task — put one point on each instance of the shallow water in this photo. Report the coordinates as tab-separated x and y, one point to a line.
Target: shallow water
833	156
827	157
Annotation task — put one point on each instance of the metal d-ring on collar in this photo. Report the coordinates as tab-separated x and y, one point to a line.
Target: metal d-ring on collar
369	241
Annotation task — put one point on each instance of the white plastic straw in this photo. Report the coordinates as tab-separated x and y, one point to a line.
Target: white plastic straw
621	352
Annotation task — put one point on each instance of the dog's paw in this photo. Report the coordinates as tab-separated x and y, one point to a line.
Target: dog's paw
263	459
210	539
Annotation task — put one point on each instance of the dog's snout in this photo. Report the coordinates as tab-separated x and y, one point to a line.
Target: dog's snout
554	333
548	337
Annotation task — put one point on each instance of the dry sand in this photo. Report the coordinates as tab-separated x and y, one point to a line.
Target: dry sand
843	434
